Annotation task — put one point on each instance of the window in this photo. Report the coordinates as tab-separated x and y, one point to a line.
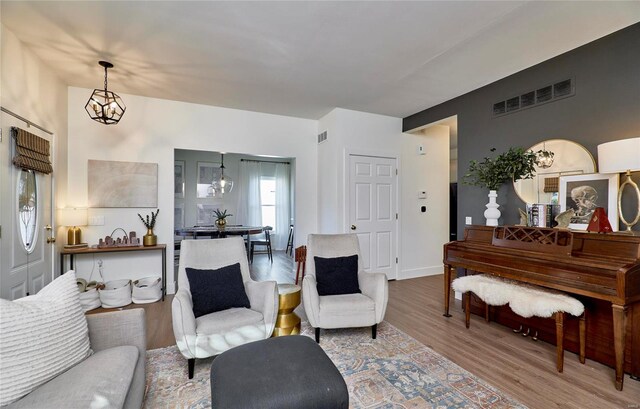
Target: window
268	201
27	208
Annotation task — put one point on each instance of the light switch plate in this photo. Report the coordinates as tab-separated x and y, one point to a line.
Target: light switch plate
468	220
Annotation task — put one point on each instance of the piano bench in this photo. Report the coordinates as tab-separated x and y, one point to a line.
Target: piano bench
526	301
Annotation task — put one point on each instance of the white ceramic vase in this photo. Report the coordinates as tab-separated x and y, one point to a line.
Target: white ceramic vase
492	214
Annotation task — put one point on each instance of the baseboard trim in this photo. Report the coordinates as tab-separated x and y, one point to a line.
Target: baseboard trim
171	287
420	272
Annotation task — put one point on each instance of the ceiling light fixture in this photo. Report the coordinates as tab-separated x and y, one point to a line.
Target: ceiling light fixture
222	184
544	157
105	106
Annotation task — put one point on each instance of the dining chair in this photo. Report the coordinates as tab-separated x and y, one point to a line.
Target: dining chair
266	243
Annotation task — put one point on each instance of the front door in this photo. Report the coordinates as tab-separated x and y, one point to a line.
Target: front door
26	263
373	211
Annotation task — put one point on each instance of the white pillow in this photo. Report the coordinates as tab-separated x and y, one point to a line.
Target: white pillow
41	336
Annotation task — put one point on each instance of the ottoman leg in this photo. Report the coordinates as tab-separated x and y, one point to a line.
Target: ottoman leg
192	365
318	335
374	331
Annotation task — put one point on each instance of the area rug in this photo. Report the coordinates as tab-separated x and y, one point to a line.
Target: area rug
393	371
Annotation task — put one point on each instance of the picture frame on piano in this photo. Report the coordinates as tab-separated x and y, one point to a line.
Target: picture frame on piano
583	193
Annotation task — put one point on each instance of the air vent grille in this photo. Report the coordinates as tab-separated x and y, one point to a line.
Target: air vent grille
549	93
322	137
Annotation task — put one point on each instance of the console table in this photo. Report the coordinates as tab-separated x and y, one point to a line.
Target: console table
94	250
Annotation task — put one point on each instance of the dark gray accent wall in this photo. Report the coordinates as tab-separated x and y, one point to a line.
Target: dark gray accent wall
605	107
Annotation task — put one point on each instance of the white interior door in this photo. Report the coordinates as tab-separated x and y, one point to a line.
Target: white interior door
373	211
26	259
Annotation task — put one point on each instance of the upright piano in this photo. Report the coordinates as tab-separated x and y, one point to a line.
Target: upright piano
602	270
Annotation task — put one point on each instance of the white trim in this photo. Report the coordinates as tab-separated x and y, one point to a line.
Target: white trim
420	272
395	154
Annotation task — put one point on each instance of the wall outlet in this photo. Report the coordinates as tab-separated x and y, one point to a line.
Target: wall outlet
421	150
422	194
468	220
96	221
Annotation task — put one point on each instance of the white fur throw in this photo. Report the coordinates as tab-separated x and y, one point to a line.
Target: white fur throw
525	300
41	336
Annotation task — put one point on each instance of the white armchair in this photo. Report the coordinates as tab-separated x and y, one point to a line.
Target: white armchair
214	333
345	310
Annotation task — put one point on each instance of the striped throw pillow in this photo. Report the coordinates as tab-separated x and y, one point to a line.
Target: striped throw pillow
41	336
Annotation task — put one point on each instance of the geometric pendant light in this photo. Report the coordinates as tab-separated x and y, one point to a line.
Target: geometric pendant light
105	106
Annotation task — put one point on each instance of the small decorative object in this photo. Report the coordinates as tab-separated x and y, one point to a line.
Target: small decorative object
584	193
515	164
125	241
149	239
221	218
564	218
523	217
599	222
105	106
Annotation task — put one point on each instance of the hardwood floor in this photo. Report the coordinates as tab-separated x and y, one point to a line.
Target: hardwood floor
514	364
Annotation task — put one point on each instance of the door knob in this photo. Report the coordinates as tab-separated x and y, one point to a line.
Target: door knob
47	227
51	240
353	227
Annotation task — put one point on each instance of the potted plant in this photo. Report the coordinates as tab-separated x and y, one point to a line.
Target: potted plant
491	173
221	218
149	222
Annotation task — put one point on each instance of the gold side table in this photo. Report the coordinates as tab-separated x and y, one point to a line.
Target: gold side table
287	322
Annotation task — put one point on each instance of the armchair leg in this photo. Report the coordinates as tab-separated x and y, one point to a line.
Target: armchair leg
192	365
318	335
374	331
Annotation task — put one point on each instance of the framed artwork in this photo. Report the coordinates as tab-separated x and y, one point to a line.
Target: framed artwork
122	184
583	193
204	215
178	179
178	216
207	172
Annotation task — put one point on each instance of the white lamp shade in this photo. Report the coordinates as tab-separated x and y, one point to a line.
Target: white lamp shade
619	156
71	216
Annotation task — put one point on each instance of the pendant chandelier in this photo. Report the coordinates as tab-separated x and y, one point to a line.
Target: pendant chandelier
544	157
222	184
105	106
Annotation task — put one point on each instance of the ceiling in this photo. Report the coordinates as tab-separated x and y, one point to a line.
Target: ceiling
304	58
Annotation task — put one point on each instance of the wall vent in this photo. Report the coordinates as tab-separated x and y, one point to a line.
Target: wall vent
548	93
322	137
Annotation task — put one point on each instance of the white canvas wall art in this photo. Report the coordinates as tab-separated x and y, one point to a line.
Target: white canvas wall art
122	184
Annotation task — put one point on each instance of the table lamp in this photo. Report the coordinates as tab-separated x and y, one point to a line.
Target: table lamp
73	217
618	157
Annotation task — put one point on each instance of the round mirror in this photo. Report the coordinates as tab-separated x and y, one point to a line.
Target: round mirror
569	158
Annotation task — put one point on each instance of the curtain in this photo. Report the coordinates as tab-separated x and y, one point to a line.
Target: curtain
32	152
283	207
249	206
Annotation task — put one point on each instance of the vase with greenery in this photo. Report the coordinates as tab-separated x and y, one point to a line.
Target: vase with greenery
491	173
149	222
221	218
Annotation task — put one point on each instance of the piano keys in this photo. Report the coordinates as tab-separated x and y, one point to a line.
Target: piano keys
602	270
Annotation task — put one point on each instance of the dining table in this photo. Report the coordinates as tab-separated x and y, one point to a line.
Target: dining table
213	232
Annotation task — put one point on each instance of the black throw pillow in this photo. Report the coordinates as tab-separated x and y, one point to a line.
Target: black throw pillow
338	275
217	290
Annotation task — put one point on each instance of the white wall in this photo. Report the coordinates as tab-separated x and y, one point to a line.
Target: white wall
149	132
421	235
30	89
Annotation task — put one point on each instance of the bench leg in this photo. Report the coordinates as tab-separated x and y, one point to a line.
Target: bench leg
583	336
559	340
486	312
467	308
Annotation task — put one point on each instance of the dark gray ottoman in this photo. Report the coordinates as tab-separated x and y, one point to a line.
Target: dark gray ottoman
283	372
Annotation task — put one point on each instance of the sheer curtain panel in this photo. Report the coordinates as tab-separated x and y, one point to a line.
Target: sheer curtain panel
283	206
249	206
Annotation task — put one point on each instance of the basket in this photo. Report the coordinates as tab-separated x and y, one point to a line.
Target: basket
116	293
90	299
147	290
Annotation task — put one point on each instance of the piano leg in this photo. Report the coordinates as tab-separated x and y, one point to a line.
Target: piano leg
619	336
447	289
